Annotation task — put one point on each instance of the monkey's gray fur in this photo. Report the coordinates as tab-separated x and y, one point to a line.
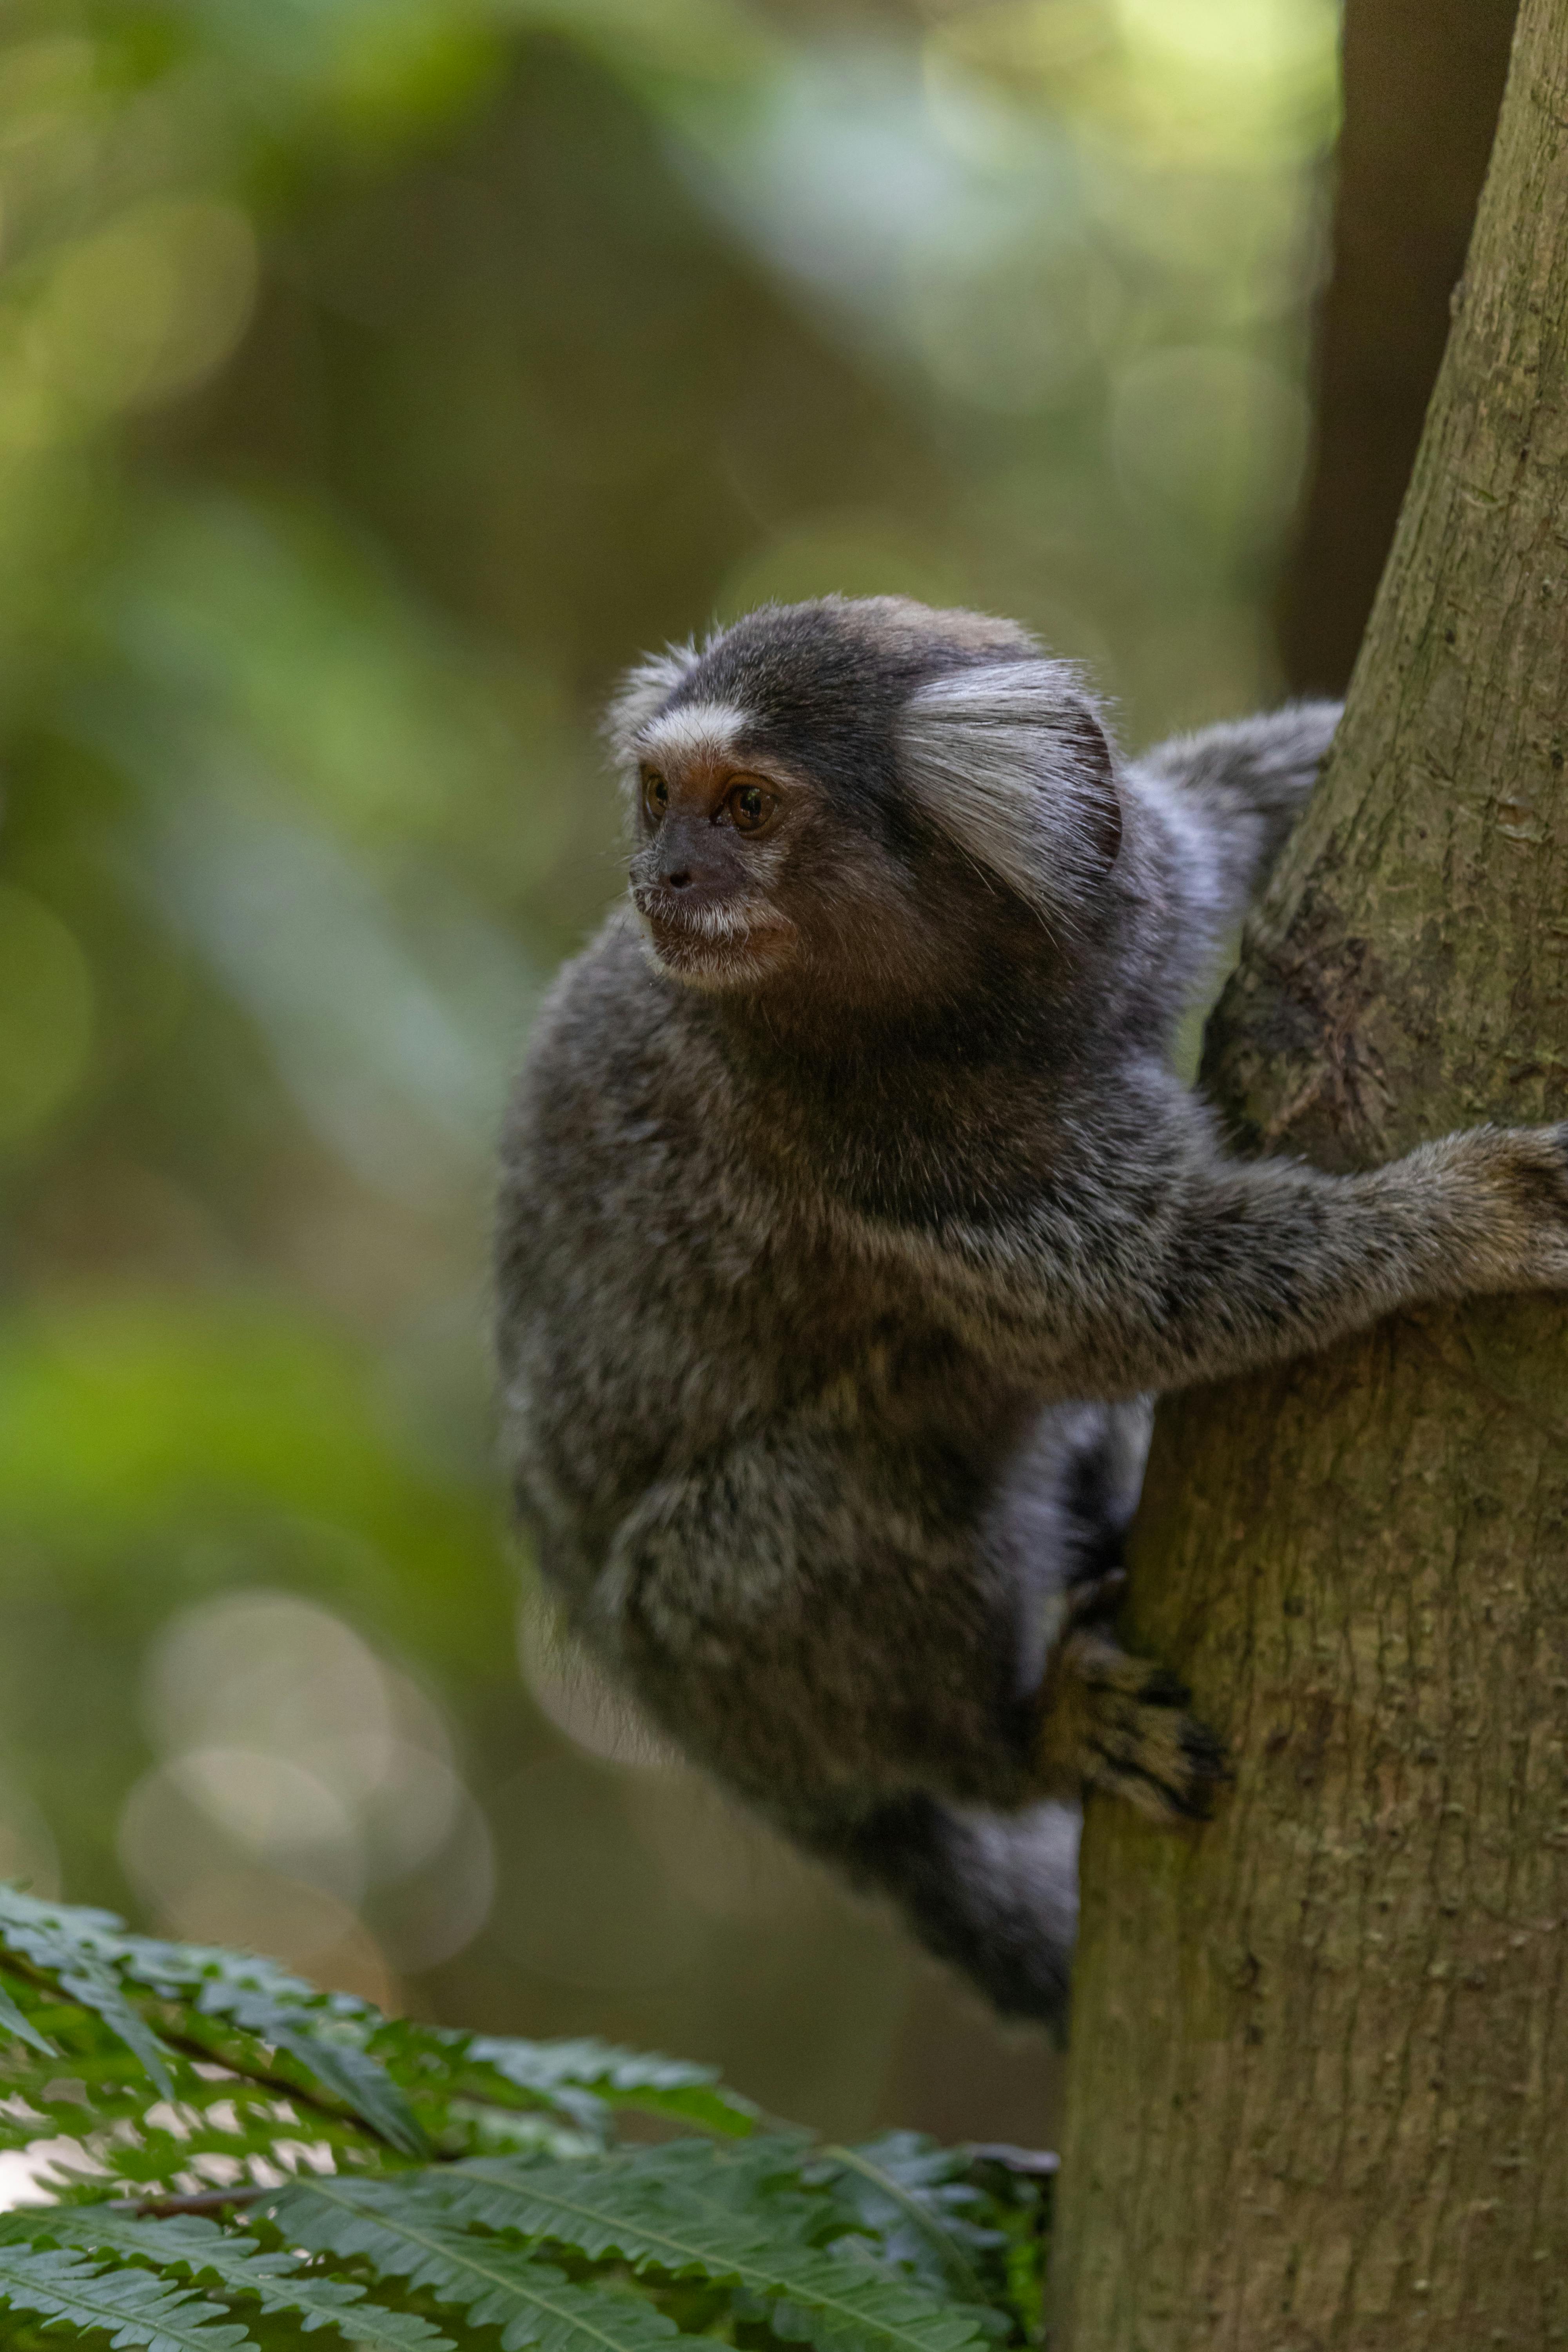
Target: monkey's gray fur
851	1213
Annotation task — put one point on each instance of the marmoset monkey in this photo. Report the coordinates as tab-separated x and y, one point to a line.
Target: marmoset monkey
851	1214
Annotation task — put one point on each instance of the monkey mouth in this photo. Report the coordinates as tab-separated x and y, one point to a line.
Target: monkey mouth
717	946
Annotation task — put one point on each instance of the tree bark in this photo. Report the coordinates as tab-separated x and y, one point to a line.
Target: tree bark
1421	81
1317	2089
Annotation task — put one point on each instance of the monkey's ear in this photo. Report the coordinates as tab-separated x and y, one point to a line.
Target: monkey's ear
1012	761
640	695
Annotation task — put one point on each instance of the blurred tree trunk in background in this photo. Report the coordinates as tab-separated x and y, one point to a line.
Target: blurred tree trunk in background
1316	2085
1423	79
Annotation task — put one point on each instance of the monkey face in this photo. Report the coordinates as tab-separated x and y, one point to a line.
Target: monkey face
861	802
714	833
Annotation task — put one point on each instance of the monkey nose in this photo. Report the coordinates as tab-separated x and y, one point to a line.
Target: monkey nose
679	879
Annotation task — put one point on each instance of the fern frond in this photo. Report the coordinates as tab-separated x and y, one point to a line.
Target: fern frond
76	1948
568	2073
324	2034
738	2179
220	2126
908	2194
645	2214
92	1956
15	2019
498	2285
134	2307
238	2266
163	2069
337	2063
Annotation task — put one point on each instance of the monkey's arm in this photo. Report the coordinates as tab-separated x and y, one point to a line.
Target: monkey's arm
1226	1266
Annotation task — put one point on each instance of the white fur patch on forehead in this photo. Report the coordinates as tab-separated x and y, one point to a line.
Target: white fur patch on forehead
642	693
1012	761
694	730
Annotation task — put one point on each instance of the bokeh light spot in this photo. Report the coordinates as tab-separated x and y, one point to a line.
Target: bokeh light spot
290	1750
148	306
1226	39
1214	436
261	1669
308	1929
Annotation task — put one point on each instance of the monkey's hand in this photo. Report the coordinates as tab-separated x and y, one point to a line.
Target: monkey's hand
1521	1174
1113	1721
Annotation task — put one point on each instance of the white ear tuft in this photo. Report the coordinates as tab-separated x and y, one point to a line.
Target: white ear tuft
646	686
1012	761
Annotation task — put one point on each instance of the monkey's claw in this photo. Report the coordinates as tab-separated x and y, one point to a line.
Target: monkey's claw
1123	1722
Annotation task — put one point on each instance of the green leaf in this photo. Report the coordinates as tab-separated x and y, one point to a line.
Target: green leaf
322	2033
686	2216
389	2225
893	2247
899	2180
240	2266
342	2067
133	2306
14	2020
620	2078
72	1944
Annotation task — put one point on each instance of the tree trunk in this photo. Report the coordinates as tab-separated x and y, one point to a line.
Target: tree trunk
1423	79
1318	2090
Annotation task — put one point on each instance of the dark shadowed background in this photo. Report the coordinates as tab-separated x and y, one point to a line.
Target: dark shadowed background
376	377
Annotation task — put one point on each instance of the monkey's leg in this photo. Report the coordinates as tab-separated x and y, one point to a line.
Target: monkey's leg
820	1619
1105	1719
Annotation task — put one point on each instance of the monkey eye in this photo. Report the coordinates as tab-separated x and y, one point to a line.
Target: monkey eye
655	792
751	808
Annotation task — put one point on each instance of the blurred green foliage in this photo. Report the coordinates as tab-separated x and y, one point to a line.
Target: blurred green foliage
376	377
